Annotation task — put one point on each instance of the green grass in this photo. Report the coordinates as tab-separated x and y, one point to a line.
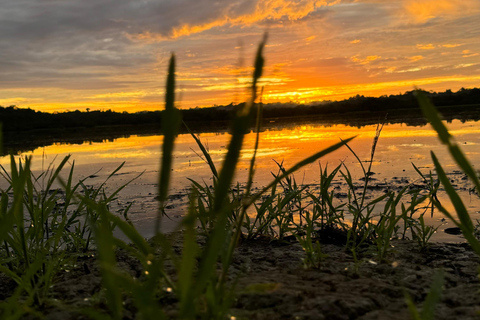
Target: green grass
42	228
464	221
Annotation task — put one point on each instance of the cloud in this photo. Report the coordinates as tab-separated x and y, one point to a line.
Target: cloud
415	58
120	95
422	11
454	45
206	15
407	12
365	60
73	53
427	46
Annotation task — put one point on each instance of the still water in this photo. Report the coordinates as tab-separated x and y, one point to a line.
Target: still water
398	147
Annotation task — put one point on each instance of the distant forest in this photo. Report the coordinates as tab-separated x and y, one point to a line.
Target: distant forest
22	125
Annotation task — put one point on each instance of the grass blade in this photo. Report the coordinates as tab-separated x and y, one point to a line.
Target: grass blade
430	112
171	119
204	151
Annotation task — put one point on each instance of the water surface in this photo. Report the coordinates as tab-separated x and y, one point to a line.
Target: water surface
399	146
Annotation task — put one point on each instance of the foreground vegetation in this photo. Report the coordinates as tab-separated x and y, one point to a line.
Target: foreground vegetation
46	230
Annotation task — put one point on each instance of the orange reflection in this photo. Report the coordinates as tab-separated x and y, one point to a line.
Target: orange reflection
398	146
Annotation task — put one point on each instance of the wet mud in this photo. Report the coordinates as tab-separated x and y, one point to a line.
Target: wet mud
272	283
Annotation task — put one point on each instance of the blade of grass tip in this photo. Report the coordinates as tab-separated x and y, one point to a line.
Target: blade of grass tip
419	172
240	126
116	170
219	234
257	73
171	119
378	131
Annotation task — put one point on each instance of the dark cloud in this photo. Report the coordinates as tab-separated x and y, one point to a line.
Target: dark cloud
315	15
64	34
121	44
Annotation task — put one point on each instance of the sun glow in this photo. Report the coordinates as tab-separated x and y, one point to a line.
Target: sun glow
316	50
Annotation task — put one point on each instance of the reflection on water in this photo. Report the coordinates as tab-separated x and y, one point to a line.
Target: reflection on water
398	147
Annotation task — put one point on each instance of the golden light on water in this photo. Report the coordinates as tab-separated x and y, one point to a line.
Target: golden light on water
274	143
399	146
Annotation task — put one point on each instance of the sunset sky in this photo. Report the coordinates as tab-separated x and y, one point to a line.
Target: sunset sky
61	55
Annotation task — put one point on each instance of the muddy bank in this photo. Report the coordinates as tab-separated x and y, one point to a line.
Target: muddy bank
273	283
341	289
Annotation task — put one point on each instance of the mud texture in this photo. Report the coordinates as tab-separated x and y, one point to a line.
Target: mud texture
274	284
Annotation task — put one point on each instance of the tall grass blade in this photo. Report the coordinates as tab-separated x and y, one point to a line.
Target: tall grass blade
240	126
431	113
255	149
465	223
171	120
454	197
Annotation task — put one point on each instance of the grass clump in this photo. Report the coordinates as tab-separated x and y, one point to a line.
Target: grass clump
40	228
45	227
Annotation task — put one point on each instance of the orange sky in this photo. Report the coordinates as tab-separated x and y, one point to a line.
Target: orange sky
113	54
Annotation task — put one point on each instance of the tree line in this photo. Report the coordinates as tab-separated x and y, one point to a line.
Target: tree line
25	119
398	107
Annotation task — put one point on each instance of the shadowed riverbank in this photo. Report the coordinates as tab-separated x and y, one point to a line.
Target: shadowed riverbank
23	140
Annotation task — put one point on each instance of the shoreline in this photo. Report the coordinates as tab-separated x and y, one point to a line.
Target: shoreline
28	140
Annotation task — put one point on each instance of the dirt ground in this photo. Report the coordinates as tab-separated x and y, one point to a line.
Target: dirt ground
273	283
338	291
